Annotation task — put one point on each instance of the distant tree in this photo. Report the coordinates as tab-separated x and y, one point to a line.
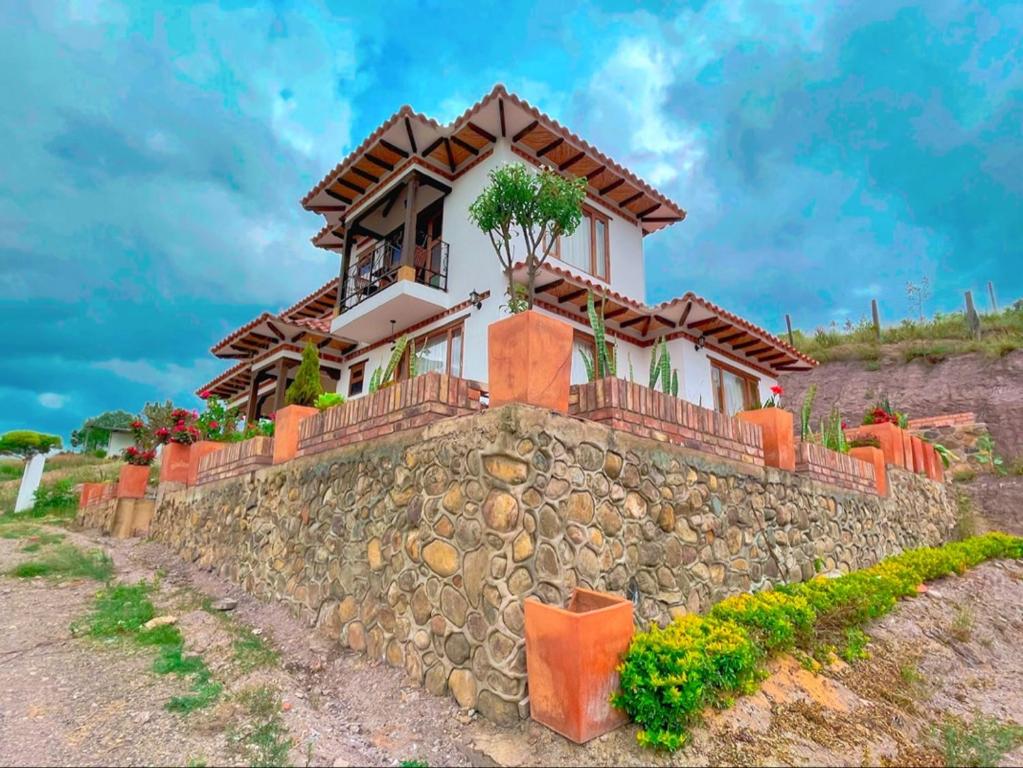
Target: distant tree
306	387
541	207
918	294
25	443
95	432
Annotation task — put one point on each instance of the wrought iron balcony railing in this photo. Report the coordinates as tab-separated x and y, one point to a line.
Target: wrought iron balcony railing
375	270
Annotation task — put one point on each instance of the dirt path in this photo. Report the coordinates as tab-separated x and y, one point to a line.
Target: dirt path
951	653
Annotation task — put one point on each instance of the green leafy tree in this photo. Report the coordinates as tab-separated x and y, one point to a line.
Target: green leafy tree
539	207
25	443
306	387
95	432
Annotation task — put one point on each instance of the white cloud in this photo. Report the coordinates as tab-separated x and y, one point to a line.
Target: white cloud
165	380
52	400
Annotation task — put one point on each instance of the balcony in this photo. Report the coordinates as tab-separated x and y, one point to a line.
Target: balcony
379	288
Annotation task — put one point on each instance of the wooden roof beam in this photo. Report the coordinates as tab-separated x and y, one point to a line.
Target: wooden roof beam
393	148
664	321
481	132
745	344
612	186
550	147
768	358
649	210
525	132
337	196
548	286
432	147
572	295
595	173
685	314
411	136
378	162
465	145
630	199
352	186
633	321
705	321
451	156
571	161
718	329
615	312
366	175
731	337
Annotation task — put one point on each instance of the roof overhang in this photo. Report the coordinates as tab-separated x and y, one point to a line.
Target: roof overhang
268	331
564	292
409	139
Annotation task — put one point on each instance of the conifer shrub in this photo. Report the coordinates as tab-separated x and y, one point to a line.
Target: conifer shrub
669	675
306	387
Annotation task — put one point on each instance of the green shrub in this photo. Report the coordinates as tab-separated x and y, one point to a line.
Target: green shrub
306	387
54	497
329	400
67	561
669	675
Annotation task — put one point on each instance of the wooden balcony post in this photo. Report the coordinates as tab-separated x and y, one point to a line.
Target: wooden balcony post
250	407
342	279
281	375
408	238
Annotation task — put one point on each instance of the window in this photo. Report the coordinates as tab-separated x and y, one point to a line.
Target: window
439	351
583	342
734	390
356	378
587	248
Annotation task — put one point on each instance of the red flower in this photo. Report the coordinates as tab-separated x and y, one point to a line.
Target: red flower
272	416
195	414
136	424
213	425
844	425
132	450
777	389
205	394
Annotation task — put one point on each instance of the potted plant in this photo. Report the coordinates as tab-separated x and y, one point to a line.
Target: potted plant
529	353
301	403
134	476
572	658
868	449
884	423
177	440
776	424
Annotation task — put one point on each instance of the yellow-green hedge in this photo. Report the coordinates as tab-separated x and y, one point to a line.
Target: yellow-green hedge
669	675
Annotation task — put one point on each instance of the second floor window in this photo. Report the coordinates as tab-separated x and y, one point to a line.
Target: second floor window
588	248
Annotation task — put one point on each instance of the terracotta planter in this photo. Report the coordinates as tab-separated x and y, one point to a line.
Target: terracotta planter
875	456
174	460
939	468
919	461
890	437
196	452
286	422
779	440
572	655
907	450
530	361
929	458
132	482
90	491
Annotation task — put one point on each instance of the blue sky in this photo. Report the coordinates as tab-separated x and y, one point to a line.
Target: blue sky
154	157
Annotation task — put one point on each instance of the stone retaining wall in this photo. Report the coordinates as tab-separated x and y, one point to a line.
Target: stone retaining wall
645	412
419	548
959	432
236	459
839	469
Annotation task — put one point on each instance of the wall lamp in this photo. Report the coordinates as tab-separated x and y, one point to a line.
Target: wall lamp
475	298
701	342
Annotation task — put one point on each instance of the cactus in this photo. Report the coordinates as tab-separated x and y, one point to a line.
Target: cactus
804	413
603	362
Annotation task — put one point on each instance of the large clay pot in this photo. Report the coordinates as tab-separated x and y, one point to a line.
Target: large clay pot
919	461
132	482
875	456
572	655
779	440
286	422
174	460
530	361
890	437
197	451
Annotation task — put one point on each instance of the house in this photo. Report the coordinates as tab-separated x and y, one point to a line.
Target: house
120	438
412	262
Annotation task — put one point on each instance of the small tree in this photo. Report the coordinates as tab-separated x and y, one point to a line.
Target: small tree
306	387
541	207
25	444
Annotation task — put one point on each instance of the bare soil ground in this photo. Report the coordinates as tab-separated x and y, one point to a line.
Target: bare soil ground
953	652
